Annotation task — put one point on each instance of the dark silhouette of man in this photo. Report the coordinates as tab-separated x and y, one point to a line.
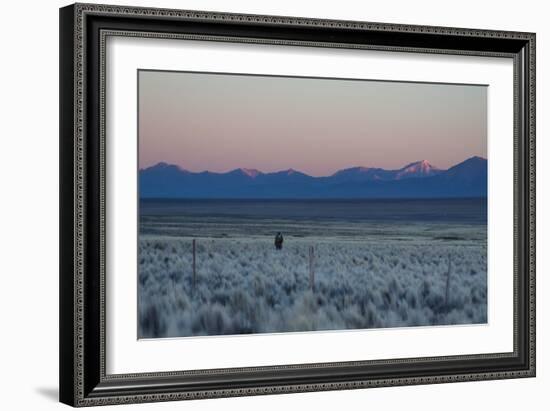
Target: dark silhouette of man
279	241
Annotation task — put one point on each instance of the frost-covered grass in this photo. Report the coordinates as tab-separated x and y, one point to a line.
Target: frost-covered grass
384	277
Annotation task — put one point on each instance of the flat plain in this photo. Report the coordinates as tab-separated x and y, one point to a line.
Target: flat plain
345	267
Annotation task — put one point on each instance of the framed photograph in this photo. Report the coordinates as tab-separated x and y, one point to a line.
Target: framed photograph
262	204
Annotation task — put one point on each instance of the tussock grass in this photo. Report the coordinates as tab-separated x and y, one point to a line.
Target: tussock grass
245	286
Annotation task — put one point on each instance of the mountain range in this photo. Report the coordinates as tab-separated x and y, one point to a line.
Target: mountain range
416	180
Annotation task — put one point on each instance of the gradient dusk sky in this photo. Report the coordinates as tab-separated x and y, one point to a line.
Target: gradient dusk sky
219	122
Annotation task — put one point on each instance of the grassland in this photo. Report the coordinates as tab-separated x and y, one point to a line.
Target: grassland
366	276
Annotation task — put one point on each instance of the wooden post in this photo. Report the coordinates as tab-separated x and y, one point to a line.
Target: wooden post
448	283
172	276
194	262
311	269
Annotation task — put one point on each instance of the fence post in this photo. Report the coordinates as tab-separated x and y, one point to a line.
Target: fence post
194	262
448	283
172	277
311	269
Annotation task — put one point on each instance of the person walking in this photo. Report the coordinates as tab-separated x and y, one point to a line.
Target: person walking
279	241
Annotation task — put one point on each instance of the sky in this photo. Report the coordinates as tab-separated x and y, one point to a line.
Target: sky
220	122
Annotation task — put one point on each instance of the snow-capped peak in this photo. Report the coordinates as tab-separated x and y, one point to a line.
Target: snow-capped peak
417	169
250	172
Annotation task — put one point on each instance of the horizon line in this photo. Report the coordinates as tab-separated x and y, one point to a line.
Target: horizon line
292	169
274	199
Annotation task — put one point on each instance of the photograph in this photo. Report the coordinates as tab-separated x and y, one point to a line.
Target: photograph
277	204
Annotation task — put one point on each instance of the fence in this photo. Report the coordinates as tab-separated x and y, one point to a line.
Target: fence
311	265
311	262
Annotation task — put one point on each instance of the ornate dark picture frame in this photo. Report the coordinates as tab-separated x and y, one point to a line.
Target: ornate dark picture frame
83	30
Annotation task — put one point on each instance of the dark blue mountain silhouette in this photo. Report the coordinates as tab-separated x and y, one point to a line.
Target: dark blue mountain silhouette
416	180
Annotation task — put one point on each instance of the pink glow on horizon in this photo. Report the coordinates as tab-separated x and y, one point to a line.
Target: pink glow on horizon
225	122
